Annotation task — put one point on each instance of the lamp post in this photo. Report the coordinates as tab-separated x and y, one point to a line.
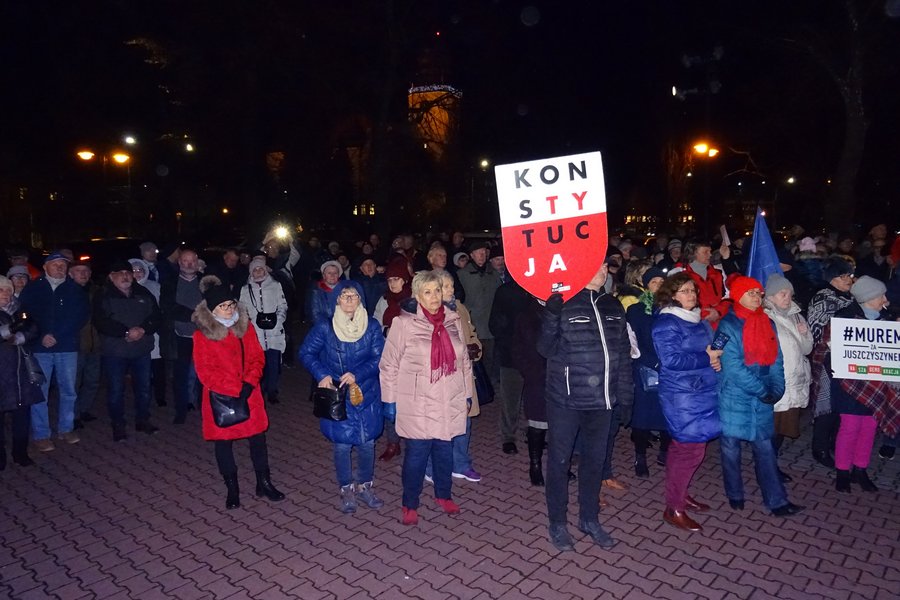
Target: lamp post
705	151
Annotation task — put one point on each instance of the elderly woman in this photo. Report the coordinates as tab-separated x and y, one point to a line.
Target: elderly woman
750	382
267	308
343	352
320	302
426	372
19	277
16	393
437	259
141	269
462	462
230	361
796	343
687	391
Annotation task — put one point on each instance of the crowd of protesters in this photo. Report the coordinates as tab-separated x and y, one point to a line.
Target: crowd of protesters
419	333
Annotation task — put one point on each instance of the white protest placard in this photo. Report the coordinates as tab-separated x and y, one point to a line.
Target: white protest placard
863	349
553	216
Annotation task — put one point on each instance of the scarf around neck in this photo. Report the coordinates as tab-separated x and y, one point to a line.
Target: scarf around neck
443	357
759	340
393	304
691	316
228	322
349	329
699	268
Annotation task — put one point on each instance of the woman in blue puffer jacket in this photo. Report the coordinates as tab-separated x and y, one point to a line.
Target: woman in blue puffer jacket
687	391
344	350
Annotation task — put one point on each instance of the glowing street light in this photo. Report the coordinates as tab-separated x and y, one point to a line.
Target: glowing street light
705	149
485	163
189	147
130	140
225	211
791	180
85	154
712	152
121	158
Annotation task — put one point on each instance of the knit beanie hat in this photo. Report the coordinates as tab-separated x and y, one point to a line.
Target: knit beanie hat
741	285
18	270
776	283
398	268
650	274
258	261
835	267
458	256
867	288
331	263
807	244
5	283
214	292
676	243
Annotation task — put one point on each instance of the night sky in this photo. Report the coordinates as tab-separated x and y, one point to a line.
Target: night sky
538	79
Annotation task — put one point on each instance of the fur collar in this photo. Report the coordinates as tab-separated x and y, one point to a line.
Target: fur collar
207	325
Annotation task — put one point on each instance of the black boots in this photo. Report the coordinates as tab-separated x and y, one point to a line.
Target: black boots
842	481
640	466
265	488
233	500
861	478
535	438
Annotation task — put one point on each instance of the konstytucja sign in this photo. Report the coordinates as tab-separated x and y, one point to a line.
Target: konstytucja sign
553	216
862	349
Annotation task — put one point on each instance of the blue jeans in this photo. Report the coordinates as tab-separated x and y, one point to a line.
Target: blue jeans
764	461
365	463
462	462
116	368
271	373
414	461
65	365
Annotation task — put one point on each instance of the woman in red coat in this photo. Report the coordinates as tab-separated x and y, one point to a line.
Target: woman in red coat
230	361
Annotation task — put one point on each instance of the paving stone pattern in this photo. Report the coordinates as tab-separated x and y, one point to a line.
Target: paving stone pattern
145	519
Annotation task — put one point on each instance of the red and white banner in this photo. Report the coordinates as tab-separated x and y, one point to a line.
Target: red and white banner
553	216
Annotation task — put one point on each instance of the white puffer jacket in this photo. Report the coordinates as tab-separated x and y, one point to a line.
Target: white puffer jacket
267	296
795	347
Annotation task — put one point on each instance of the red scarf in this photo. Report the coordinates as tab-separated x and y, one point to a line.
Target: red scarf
443	357
393	304
760	341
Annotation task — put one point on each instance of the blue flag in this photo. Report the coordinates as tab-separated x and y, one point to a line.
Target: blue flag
763	259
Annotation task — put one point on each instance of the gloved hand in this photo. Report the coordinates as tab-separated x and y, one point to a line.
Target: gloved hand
474	351
19	339
554	304
5	332
246	390
389	411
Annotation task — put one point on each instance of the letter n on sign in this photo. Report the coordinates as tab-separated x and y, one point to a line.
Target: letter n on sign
553	215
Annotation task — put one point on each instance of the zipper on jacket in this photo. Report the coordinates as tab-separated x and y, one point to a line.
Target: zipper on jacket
605	351
568	389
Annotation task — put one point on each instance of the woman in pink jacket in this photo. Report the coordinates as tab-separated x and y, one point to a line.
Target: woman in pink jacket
426	372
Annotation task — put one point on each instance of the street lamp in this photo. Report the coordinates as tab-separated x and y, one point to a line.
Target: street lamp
85	155
704	149
130	140
121	158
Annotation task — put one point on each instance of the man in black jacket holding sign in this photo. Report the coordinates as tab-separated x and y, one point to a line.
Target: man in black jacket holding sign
585	342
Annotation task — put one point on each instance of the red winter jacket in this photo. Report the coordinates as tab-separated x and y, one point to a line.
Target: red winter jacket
710	292
217	358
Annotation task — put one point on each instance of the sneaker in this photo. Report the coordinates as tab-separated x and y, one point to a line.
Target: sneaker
429	479
614	484
449	506
469	474
70	437
44	445
347	504
410	516
887	452
366	495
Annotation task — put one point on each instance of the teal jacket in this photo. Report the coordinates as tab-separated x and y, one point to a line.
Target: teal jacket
742	388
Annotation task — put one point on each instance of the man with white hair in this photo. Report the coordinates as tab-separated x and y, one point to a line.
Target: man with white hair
60	309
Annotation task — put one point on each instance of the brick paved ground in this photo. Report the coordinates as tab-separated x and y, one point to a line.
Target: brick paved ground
145	519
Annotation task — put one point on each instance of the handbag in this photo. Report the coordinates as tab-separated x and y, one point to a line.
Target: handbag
228	411
329	403
32	368
649	378
483	386
264	320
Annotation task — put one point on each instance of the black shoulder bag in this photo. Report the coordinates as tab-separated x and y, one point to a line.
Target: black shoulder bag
264	320
229	410
330	403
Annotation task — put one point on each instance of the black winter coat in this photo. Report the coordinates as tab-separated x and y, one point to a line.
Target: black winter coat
588	353
115	313
15	391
